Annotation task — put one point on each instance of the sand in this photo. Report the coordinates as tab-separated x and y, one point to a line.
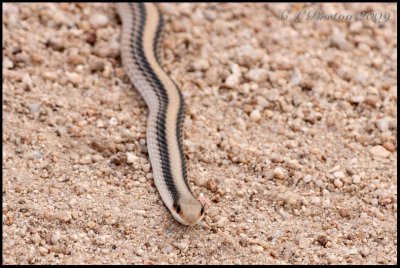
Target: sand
290	136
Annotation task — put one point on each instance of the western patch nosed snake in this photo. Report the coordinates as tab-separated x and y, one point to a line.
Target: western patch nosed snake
140	52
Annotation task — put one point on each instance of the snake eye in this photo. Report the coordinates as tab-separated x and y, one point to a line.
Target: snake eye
202	211
178	208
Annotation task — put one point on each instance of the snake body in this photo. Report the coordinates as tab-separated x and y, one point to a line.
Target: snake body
142	26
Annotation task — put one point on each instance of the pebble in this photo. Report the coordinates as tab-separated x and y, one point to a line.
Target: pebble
257	249
34	155
86	159
201	65
383	124
7	63
279	173
339	174
356	179
64	216
357	99
331	258
200	180
307	178
389	146
55	237
296	77
379	151
255	115
232	80
212	185
222	221
248	55
257	75
98	20
34	107
273	95
338	183
339	38
91	224
74	78
325	192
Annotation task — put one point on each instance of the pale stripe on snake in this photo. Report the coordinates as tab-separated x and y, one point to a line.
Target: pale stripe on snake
141	56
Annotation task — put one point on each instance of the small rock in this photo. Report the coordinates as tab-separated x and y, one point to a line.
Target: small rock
338	183
91	224
55	237
255	115
273	94
257	75
34	155
339	174
356	27
232	80
257	249
339	39
357	99
303	243
389	146
201	65
356	179
64	216
325	192
212	185
222	221
279	173
7	63
247	55
383	124
200	181
379	151
364	252
98	20
345	213
74	78
372	100
307	178
86	159
296	77
331	258
34	107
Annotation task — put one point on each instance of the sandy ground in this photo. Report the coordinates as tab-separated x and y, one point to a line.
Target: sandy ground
290	134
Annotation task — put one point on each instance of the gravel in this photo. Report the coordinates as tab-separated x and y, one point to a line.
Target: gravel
290	137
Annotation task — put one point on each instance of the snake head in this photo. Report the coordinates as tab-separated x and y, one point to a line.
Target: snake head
188	211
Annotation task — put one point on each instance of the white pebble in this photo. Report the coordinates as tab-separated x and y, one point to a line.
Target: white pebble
296	77
73	78
86	159
98	20
379	151
55	237
201	65
131	158
339	38
255	115
7	63
383	124
307	178
232	80
339	174
257	75
356	179
325	192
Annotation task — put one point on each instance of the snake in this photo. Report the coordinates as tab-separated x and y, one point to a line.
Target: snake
140	47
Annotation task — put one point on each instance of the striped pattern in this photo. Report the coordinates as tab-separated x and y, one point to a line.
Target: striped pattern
141	55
